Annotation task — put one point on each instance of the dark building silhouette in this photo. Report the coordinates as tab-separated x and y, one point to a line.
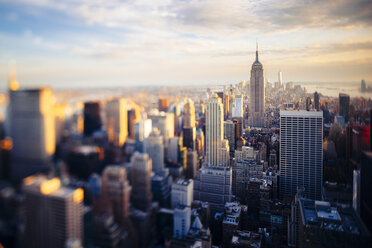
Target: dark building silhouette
316	101
82	161
365	189
189	137
344	103
357	140
92	118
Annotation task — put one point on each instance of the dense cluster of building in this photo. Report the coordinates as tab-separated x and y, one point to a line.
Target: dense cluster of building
249	165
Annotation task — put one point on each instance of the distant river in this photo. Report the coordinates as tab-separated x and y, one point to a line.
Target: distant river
333	89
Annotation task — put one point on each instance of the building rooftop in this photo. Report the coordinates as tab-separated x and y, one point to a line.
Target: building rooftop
184	182
327	216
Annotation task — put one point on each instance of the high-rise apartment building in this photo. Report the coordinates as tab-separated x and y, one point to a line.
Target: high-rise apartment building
141	171
301	153
214	129
115	190
154	147
344	103
257	95
32	129
53	213
117	121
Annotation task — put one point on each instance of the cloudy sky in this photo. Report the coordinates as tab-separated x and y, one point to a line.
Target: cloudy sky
174	42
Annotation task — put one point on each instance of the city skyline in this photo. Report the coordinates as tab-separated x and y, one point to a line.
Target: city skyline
96	44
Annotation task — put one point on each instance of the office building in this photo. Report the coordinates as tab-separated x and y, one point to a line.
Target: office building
163	104
192	164
214	129
189	137
117	121
32	129
182	193
161	185
189	114
213	185
237	109
84	160
154	147
239	126
164	122
224	152
141	170
53	213
357	140
133	115
142	130
181	221
316	101
230	133
344	103
363	86
323	224
257	95
92	118
365	189
301	153
115	190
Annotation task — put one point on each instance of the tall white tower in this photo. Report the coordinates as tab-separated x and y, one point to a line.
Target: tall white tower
280	78
301	153
214	129
257	94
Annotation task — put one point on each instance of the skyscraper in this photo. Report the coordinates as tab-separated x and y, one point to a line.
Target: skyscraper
154	147
115	190
116	117
189	114
92	118
316	101
141	181
363	86
344	102
164	122
214	128
301	153
53	213
257	95
237	110
230	133
280	78
32	129
142	130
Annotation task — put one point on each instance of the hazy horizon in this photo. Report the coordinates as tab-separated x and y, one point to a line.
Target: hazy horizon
98	43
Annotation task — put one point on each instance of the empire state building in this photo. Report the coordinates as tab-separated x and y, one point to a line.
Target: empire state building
257	95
